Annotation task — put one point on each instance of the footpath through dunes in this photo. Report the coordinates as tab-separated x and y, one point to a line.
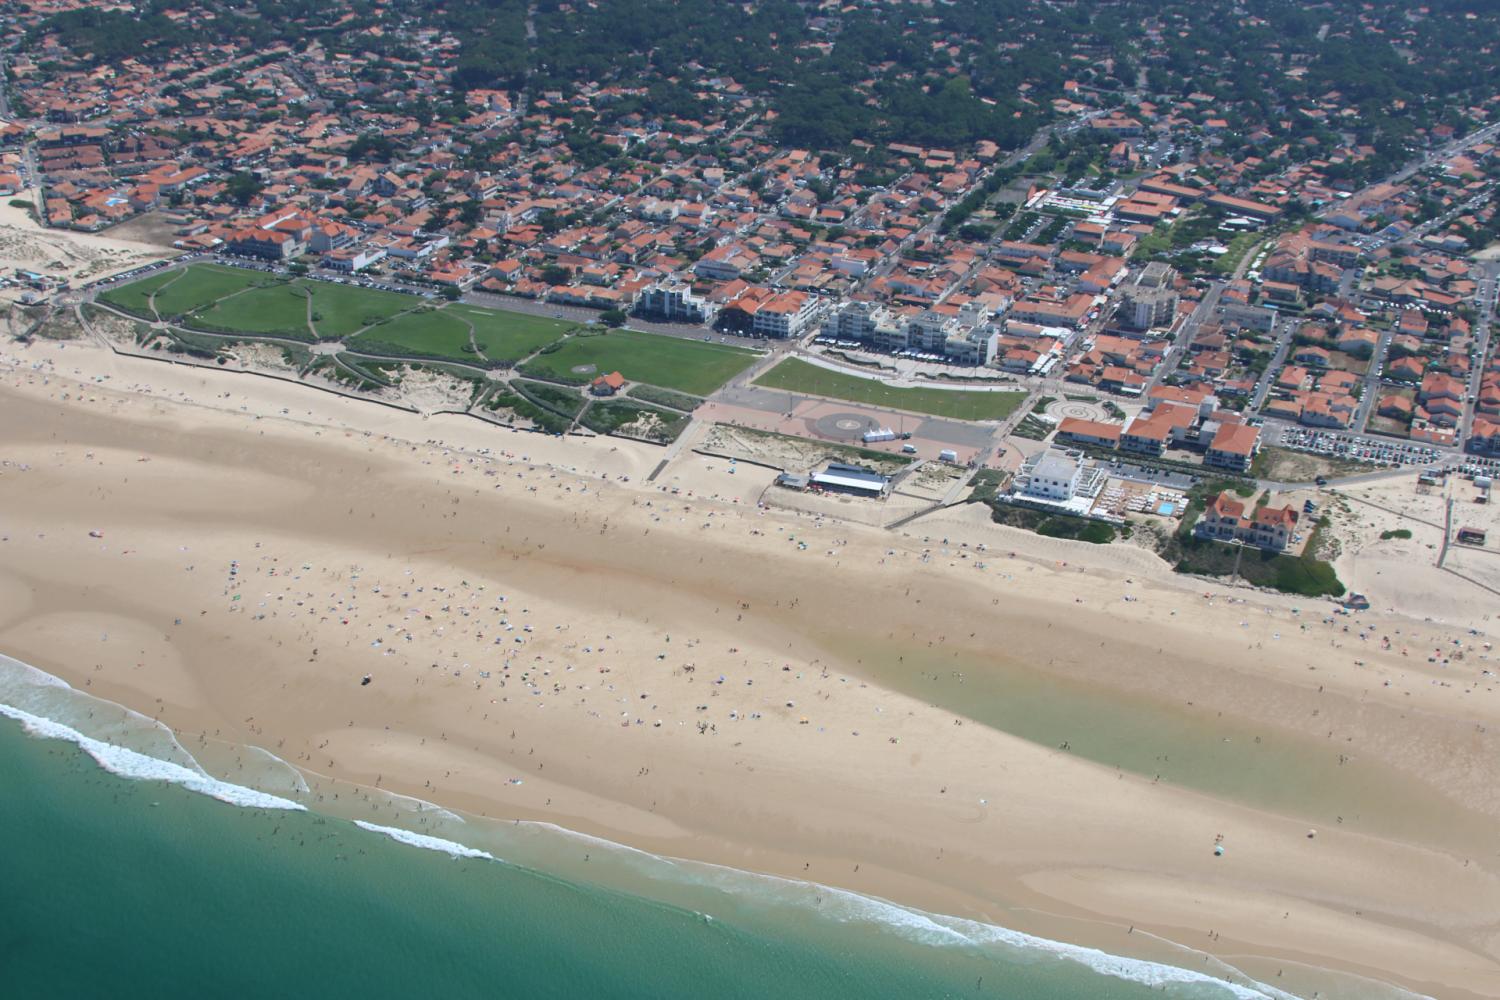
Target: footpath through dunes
725	683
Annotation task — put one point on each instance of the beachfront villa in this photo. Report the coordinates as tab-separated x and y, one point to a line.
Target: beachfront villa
1268	527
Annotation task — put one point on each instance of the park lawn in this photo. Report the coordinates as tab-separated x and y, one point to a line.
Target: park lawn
136	296
279	309
509	336
203	284
427	334
340	310
796	375
669	362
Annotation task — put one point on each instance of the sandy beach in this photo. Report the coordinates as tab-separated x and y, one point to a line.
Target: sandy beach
548	635
75	256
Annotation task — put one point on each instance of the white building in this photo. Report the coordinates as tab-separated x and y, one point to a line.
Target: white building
674	301
1150	301
852	321
787	316
976	347
930	331
352	259
1054	476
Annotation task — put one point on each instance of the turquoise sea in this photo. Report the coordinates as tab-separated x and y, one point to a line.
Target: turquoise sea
127	870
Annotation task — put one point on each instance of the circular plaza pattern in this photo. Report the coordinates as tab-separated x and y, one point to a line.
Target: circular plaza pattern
841	426
1077	409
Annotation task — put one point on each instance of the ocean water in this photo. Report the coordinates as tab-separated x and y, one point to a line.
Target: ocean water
127	870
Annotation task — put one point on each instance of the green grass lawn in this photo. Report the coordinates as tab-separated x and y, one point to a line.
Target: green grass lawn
669	362
509	336
202	284
136	296
339	310
796	375
279	309
428	334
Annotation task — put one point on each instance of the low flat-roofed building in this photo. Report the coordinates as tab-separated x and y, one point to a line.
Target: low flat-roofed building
839	477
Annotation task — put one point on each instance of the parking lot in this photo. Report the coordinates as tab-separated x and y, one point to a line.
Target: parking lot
1354	446
1118	469
1473	465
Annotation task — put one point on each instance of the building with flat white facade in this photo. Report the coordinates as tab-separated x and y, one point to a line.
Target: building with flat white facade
1054	476
675	302
1150	300
786	316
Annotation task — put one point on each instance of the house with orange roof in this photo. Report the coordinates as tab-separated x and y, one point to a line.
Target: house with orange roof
269	244
1233	447
1484	436
1225	520
1395	407
1152	433
1098	433
607	385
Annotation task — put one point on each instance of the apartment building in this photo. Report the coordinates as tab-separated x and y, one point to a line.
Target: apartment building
786	316
674	301
1149	301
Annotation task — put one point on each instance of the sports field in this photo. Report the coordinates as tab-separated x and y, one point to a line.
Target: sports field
670	362
796	375
508	336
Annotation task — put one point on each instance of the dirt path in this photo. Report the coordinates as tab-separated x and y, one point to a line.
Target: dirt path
151	299
311	329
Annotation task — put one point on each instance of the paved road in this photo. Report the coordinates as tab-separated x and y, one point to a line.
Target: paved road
1268	377
1421	163
1371	394
1484	300
1185	336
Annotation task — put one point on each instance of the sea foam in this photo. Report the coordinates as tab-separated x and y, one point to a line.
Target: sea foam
939	930
932	929
47	696
128	763
422	840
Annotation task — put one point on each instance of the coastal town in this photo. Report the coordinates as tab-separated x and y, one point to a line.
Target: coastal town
991	479
1155	279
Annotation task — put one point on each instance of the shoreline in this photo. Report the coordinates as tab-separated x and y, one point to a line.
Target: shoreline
133	765
575	579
